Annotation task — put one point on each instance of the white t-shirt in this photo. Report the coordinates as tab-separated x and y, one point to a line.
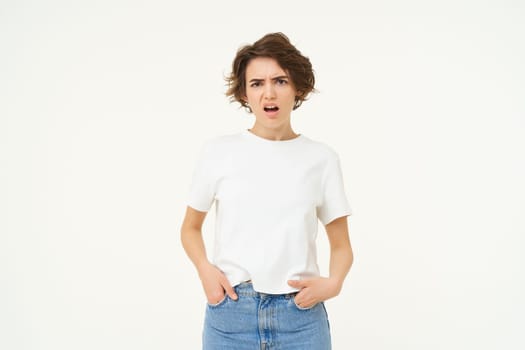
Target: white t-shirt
268	197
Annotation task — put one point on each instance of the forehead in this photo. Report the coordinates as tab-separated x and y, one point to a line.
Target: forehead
263	67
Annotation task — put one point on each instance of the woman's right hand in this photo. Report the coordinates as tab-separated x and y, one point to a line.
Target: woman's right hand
215	284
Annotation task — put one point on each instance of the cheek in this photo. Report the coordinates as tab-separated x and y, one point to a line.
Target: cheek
252	95
290	94
291	98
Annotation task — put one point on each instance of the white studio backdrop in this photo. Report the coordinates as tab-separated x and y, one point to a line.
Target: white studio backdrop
104	105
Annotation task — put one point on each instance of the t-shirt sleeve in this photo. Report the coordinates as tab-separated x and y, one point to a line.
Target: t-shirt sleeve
334	203
201	192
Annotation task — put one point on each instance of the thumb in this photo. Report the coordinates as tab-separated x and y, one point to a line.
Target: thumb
297	283
229	290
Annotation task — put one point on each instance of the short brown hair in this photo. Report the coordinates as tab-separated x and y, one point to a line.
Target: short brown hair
278	47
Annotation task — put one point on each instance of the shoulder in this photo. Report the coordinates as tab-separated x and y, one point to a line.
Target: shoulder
216	145
223	140
321	148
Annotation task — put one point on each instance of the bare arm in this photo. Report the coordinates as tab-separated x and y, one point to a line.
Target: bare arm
214	282
341	255
341	258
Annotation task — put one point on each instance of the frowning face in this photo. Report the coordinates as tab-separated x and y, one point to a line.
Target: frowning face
269	92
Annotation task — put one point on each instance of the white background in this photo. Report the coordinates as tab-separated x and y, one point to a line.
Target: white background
104	105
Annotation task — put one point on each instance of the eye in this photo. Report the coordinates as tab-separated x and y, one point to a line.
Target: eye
282	81
255	84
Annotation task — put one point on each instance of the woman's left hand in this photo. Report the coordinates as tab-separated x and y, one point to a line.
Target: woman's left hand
315	290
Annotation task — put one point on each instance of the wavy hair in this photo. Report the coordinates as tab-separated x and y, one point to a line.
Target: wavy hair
276	46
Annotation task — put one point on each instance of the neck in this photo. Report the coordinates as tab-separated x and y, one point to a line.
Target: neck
274	134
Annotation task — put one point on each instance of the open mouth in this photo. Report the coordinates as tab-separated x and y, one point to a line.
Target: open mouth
271	108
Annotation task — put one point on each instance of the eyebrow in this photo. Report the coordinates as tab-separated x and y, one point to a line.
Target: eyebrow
275	78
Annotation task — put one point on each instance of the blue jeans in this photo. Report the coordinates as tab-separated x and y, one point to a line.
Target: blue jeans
259	321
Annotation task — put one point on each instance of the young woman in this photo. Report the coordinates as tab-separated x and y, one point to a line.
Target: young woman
270	186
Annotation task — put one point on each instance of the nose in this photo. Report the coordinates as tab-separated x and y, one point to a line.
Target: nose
269	91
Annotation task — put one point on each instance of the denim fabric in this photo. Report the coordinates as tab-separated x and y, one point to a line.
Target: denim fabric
259	321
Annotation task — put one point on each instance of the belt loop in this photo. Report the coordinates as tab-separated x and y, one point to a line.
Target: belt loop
290	295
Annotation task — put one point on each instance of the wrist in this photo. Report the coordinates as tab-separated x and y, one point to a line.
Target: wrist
202	266
336	284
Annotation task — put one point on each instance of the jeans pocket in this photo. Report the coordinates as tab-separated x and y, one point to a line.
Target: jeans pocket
223	300
303	308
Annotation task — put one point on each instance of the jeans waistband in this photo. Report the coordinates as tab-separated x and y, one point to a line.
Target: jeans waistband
246	289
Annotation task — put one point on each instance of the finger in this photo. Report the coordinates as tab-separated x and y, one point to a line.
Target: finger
305	303
302	302
229	290
215	296
300	298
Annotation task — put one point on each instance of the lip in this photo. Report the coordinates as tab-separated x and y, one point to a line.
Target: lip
271	114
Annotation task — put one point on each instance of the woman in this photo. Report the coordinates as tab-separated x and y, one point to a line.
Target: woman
271	186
